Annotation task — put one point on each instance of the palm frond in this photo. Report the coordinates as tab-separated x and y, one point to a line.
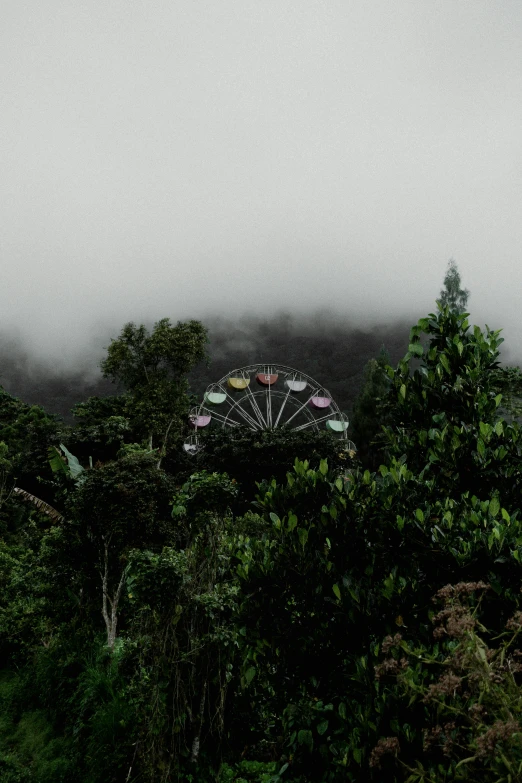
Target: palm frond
40	504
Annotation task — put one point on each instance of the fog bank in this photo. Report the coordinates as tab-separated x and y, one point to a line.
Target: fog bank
190	159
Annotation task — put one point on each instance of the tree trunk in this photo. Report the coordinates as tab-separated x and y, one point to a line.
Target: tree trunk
164	447
199	725
111	619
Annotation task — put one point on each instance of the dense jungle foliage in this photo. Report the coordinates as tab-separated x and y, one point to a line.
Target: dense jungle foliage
274	609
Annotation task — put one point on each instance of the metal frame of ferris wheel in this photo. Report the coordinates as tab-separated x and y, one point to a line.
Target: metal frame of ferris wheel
232	402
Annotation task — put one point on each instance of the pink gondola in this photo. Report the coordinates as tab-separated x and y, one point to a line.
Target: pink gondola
200	421
320	402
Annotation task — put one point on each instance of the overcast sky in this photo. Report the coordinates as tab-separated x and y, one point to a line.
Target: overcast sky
182	158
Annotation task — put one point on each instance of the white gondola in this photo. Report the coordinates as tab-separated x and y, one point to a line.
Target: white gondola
296	387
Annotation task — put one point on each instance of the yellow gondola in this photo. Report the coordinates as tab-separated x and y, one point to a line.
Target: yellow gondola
238	383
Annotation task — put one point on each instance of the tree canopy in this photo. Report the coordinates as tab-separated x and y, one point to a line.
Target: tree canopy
152	367
272	611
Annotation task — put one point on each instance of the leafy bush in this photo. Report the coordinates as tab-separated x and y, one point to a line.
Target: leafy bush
463	693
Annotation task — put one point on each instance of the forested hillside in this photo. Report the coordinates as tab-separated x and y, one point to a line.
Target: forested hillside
329	348
273	607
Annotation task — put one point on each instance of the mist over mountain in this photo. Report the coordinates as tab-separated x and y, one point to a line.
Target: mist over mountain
332	349
38	382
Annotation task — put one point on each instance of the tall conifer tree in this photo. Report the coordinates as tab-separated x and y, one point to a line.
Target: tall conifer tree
452	294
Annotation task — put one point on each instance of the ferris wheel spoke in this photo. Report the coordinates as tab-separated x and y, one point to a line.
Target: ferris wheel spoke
256	408
234	406
237	408
224	419
281	409
312	423
303	406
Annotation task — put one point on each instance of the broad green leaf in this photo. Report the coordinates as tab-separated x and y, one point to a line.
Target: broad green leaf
336	591
323	467
485	429
74	466
445	363
416	349
304	737
494	507
56	461
292	522
302	533
419	514
322	727
275	519
354	594
250	674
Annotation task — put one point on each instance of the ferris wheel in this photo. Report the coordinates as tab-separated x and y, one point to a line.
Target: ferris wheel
264	397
